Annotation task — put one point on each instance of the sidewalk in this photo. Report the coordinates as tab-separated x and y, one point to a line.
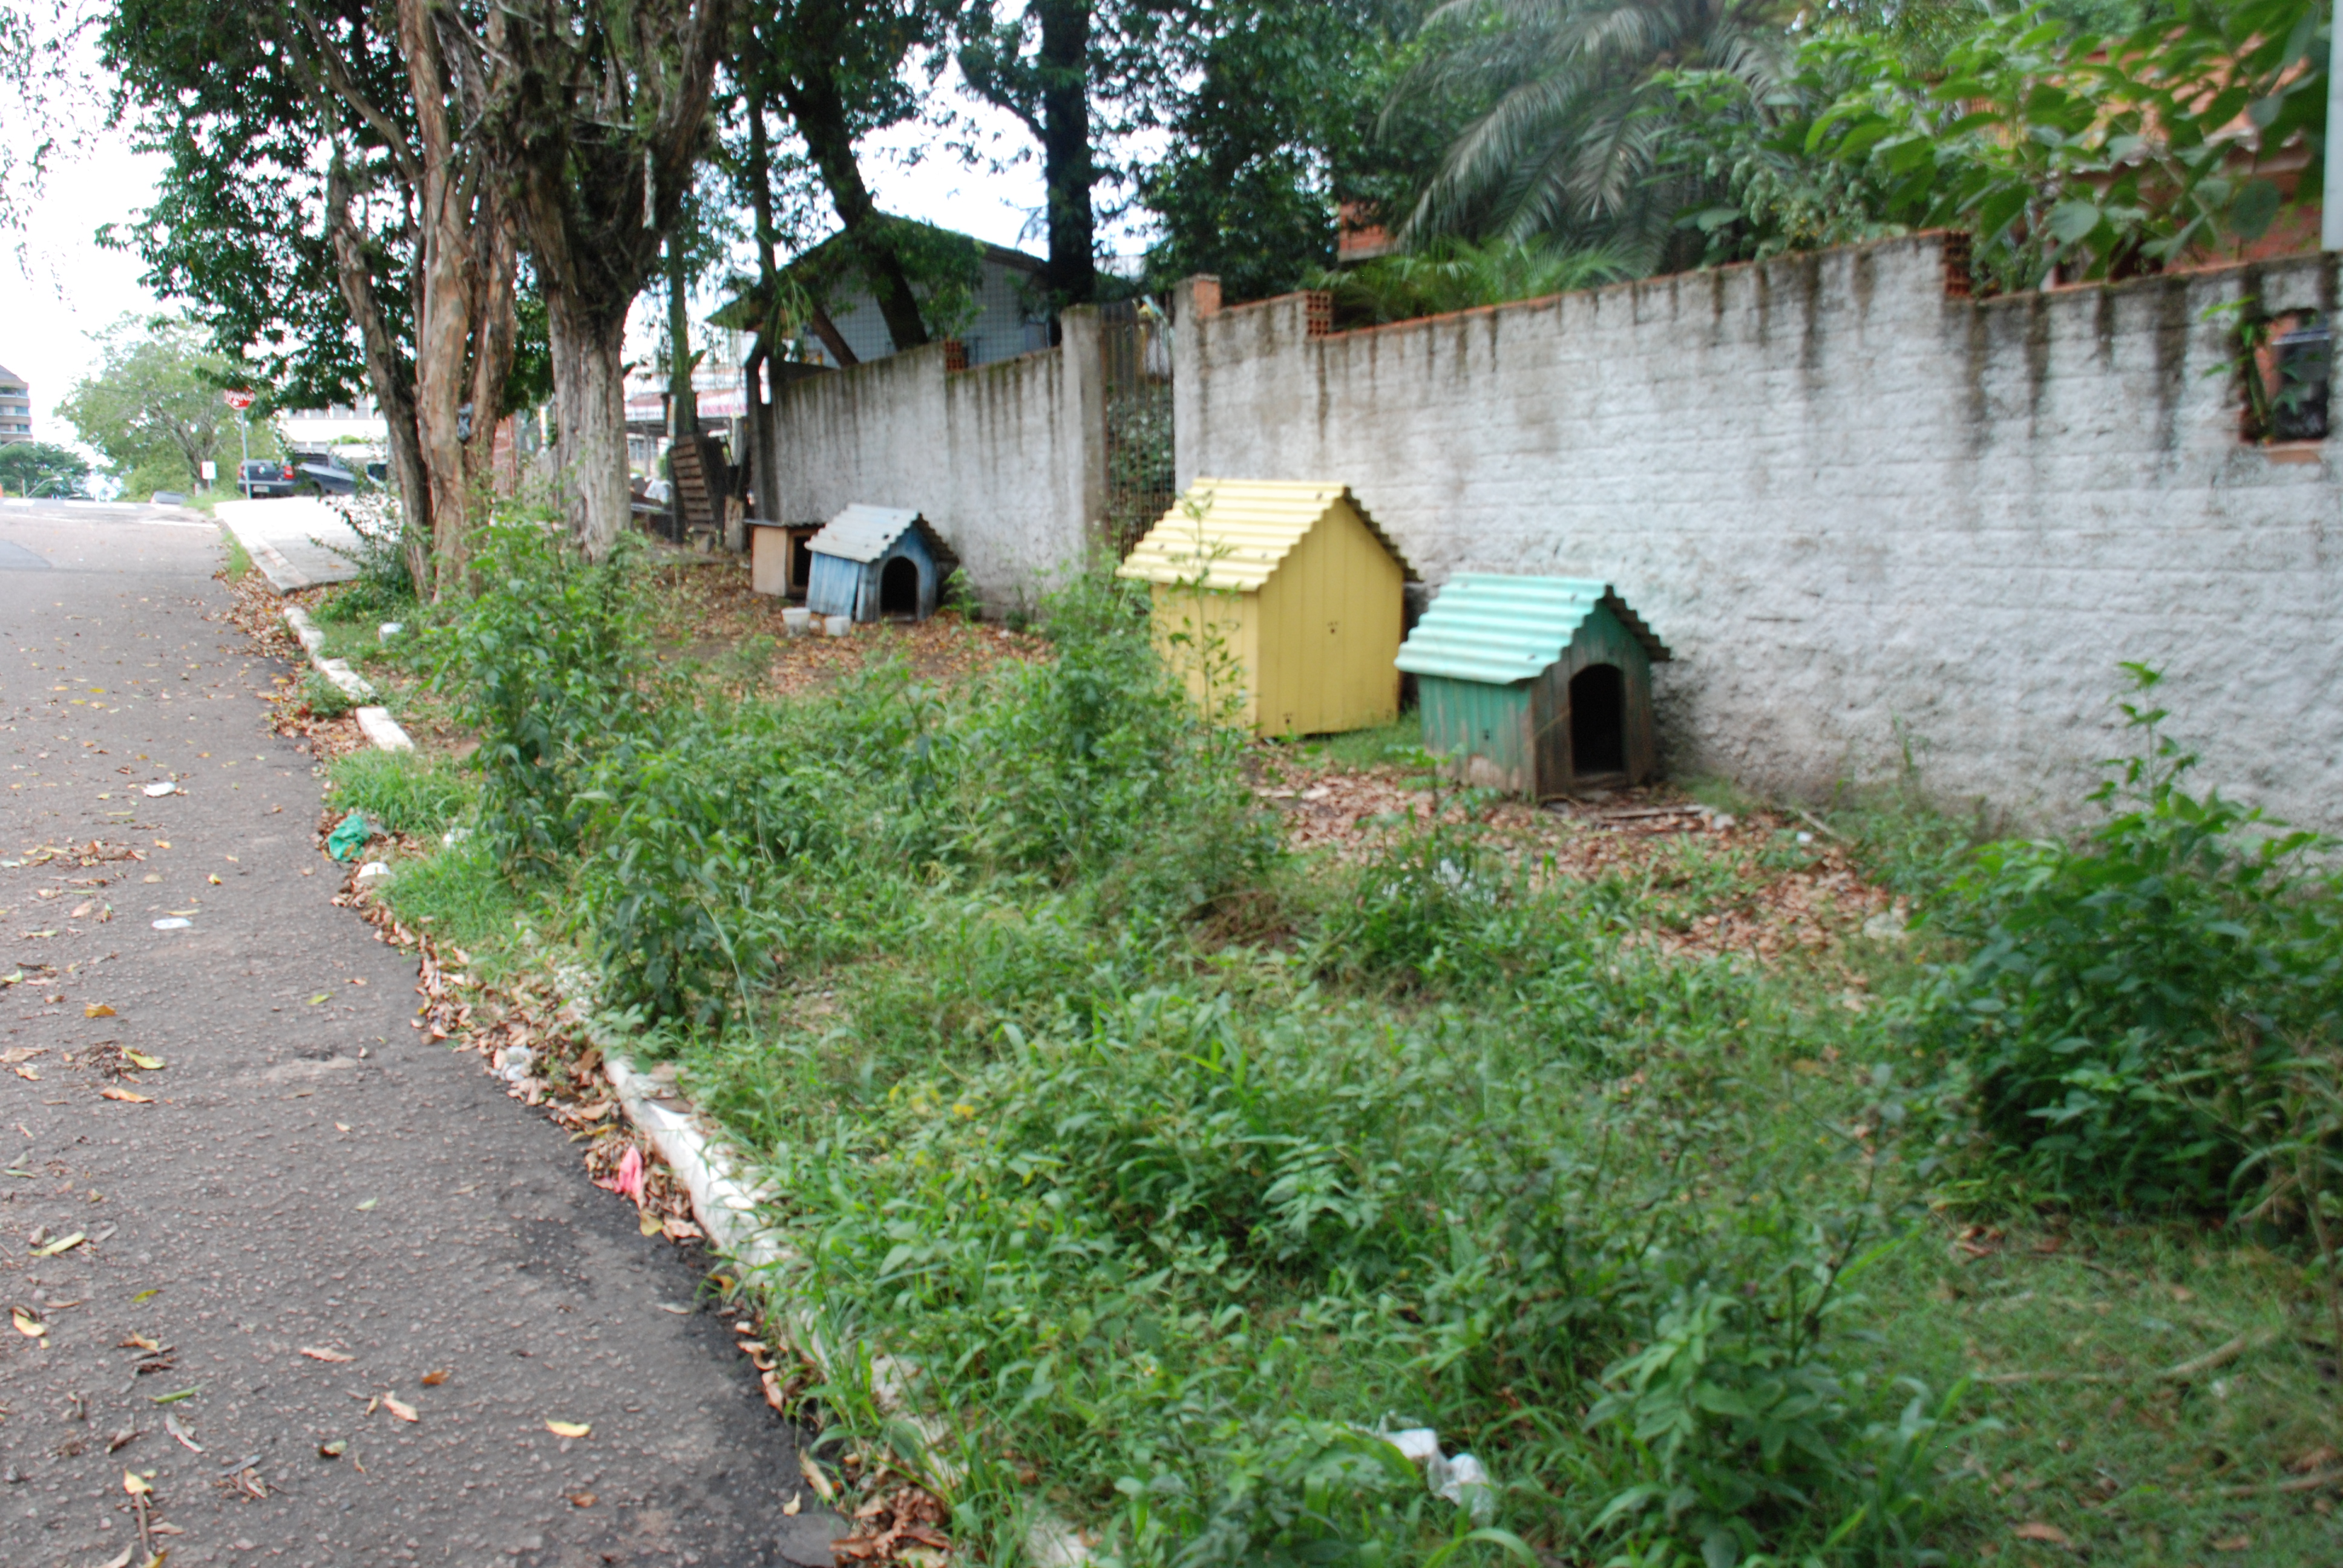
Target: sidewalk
289	539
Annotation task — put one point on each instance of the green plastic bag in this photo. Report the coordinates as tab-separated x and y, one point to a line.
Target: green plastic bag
350	837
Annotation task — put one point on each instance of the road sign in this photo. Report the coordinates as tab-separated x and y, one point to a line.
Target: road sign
240	399
211	470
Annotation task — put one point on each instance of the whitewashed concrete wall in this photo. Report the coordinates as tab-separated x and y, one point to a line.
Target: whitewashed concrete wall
1857	509
1005	459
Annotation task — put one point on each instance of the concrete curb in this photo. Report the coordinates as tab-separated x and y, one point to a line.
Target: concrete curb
375	722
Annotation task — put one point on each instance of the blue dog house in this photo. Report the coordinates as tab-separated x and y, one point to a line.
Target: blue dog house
875	561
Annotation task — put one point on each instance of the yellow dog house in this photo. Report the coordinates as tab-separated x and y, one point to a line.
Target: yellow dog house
1280	601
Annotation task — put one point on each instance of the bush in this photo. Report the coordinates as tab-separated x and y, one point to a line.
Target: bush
2129	997
551	665
384	588
322	698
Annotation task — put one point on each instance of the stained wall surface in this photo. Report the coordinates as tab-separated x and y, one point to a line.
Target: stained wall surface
1004	459
1873	519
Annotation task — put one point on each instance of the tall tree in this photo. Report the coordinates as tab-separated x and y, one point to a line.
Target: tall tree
1044	66
592	117
154	406
839	69
1571	148
319	195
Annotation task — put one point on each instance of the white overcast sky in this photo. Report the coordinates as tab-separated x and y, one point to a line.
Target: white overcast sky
58	287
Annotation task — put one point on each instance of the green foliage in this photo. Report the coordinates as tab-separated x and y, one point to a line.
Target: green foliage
1573	148
38	468
383	589
323	697
403	792
2089	156
153	407
551	665
1448	275
2132	1003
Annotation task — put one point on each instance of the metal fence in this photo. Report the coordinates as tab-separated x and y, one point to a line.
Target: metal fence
1135	344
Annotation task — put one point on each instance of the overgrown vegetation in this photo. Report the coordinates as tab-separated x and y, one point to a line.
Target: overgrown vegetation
1700	1260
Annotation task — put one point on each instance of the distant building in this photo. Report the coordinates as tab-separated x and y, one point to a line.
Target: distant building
15	407
337	425
1011	314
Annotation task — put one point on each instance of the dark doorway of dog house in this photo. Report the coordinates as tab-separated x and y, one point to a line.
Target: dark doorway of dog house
1598	724
899	589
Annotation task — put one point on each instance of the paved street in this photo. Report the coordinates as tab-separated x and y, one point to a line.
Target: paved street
308	1173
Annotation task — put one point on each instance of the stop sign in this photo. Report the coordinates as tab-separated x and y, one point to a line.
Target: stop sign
240	399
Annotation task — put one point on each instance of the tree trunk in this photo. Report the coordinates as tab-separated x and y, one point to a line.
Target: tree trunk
820	116
495	326
1069	172
589	400
683	402
393	392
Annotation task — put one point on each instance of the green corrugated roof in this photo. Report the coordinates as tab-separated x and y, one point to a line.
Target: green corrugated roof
1502	629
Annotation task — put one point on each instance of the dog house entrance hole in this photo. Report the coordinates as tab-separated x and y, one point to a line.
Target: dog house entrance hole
899	588
1598	722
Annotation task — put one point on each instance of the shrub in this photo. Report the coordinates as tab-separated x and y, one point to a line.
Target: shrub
551	664
2129	997
323	697
384	588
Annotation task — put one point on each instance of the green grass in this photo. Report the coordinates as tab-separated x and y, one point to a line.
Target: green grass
1392	742
237	561
403	791
1164	1161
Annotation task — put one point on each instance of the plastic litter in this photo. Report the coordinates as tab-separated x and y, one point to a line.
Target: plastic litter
794	621
350	837
373	871
1460	1481
518	1060
167	786
838	624
388	630
1463	1483
172	923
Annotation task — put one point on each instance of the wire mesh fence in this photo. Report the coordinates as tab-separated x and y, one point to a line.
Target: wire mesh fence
1135	343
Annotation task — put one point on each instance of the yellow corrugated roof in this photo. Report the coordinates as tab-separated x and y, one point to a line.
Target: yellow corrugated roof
1247	528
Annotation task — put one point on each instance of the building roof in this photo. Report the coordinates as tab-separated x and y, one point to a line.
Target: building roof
863	533
10	376
1246	529
1502	629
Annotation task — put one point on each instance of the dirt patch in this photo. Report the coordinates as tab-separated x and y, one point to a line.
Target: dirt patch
1764	886
709	611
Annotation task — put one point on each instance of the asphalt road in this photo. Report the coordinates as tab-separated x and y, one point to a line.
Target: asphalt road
307	1173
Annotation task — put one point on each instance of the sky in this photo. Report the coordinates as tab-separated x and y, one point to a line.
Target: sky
58	287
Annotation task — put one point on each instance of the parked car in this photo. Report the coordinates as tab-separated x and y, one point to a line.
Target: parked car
263	476
317	474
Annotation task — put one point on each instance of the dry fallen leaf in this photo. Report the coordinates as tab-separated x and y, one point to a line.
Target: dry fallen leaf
184	1438
2233	1543
26	1324
121	1562
649	1223
2318	1458
31	1073
2035	1530
820	1482
97	1009
140	1343
143	1063
569	1428
135	1483
62	1244
434	1379
315	1354
402	1411
335	1449
581	1500
795	1502
111	1092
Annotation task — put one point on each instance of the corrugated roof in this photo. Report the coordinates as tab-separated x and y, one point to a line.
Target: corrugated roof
1502	629
864	533
1248	528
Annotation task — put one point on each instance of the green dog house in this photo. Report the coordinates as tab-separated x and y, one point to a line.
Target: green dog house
1542	686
